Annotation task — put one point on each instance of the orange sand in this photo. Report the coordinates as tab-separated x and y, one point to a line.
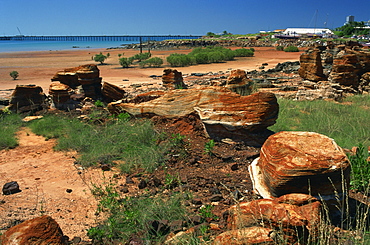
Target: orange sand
38	67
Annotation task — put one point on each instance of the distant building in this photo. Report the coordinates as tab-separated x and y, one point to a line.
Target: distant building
307	31
350	18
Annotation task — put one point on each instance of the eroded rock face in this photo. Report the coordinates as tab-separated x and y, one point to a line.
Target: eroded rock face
112	92
41	231
291	215
300	162
239	83
225	114
311	66
172	79
27	98
83	80
249	235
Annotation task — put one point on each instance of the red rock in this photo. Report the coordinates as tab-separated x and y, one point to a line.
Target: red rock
300	162
112	92
26	98
59	92
250	235
172	79
41	231
225	114
238	82
311	66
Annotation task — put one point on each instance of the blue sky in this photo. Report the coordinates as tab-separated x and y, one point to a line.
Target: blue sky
139	17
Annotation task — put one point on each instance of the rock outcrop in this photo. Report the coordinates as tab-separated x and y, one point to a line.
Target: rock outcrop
27	98
42	230
300	162
291	216
343	64
82	80
224	114
112	92
172	79
311	66
239	83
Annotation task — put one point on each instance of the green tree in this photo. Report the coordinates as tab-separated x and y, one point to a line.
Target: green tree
125	62
14	75
100	58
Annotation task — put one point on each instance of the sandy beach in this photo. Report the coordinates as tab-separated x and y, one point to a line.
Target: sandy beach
38	67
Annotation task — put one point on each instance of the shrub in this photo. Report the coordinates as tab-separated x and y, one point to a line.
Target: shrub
100	58
216	57
279	48
291	49
142	56
243	52
152	62
177	60
360	171
201	58
14	75
125	62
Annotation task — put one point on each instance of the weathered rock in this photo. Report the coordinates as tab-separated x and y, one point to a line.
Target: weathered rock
112	92
82	80
364	85
320	90
11	188
172	79
311	66
292	214
27	98
239	83
345	70
225	114
300	162
249	235
41	231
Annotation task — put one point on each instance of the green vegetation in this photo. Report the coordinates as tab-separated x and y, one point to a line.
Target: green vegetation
207	55
14	74
125	62
291	49
279	48
100	58
132	142
152	62
350	29
347	123
132	216
209	146
9	125
360	179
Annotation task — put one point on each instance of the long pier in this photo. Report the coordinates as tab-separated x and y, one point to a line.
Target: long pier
131	38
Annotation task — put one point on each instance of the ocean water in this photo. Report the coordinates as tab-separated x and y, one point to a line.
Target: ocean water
19	46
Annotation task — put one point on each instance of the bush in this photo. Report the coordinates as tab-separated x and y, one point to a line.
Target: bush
142	56
14	75
279	48
216	57
179	60
152	62
125	62
100	58
291	49
201	58
243	52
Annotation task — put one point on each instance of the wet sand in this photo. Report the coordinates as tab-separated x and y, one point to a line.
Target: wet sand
38	67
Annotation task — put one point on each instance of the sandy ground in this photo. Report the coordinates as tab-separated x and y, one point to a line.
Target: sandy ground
38	67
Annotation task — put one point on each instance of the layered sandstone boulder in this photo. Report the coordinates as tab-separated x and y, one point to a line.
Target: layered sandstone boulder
345	70
300	162
224	114
42	230
112	92
83	79
27	98
238	82
311	66
290	215
172	79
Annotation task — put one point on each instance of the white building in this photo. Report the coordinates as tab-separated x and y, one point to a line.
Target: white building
305	31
